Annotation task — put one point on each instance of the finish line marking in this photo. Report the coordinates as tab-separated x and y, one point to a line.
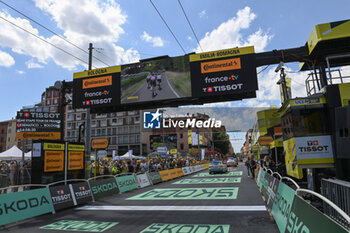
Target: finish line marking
176	208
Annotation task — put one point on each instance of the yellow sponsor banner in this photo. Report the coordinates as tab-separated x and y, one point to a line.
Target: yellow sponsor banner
76	147
53	161
189	133
53	146
206	165
38	135
320	161
165	175
97	72
221	65
173	151
222	53
75	160
173	174
291	160
97	82
179	172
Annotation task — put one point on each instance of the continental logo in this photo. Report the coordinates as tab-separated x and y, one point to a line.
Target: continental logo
38	135
99	143
97	82
221	65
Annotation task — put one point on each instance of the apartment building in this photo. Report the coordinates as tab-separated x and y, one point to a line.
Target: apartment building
122	129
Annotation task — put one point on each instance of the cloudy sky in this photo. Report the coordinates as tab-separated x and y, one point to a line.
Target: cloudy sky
32	58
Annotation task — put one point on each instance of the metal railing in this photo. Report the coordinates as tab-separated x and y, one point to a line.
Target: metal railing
338	192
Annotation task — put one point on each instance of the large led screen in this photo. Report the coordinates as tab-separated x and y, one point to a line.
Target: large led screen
154	80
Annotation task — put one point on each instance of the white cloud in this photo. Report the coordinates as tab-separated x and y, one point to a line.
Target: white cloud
97	22
228	34
189	38
6	59
202	13
20	72
156	41
31	64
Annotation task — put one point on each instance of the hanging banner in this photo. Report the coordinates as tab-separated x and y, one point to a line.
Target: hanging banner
97	88
223	72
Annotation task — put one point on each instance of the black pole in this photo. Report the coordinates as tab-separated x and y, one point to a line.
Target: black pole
63	93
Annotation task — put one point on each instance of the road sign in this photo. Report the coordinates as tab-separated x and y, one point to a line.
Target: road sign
99	143
38	125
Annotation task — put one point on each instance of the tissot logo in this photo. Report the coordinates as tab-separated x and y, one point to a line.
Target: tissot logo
97	101
223	88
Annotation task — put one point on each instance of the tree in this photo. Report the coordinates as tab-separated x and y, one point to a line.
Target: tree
221	142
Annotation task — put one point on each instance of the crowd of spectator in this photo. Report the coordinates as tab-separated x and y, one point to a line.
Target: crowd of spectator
114	167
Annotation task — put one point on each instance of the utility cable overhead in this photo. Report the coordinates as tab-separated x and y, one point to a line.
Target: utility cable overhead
167	26
38	37
183	10
61	37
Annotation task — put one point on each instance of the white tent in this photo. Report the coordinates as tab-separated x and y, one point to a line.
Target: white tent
128	156
13	154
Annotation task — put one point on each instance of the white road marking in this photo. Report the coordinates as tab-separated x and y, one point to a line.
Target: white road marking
176	208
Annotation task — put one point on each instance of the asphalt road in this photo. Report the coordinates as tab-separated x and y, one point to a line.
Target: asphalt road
213	211
145	94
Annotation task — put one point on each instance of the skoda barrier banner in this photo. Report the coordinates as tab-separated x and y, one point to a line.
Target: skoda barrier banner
143	180
155	177
305	218
22	205
103	187
82	192
127	183
188	228
282	205
61	197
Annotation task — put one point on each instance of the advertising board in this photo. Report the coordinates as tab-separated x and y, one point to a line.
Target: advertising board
38	125
53	161
82	192
103	187
61	197
22	205
127	183
143	180
223	72
97	88
155	177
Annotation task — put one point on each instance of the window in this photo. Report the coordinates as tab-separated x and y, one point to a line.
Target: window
114	140
55	101
114	131
103	132
181	135
9	131
181	146
109	131
48	94
137	138
48	102
93	132
98	132
56	93
10	123
8	139
119	114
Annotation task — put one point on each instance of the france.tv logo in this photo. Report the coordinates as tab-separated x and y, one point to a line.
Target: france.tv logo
152	120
